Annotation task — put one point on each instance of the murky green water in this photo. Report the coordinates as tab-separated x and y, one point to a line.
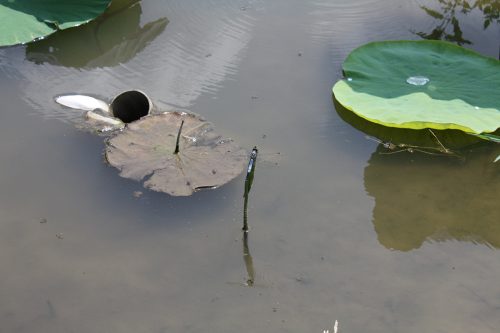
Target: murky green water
381	243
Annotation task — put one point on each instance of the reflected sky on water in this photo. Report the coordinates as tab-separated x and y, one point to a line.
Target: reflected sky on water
338	231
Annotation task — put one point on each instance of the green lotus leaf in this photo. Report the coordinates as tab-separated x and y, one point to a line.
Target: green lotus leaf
451	139
422	84
28	20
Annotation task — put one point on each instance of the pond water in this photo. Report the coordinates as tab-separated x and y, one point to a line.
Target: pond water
338	231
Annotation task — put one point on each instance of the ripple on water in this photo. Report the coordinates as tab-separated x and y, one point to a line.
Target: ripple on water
201	46
344	25
204	46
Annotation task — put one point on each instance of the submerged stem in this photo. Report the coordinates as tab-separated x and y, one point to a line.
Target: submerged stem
178	137
247	258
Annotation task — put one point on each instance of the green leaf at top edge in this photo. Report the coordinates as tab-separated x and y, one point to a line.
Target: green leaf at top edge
29	20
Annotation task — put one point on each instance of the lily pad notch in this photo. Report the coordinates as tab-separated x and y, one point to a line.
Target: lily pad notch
177	153
422	84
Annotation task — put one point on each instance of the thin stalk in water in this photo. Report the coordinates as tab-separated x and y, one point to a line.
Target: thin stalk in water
248	185
178	137
247	258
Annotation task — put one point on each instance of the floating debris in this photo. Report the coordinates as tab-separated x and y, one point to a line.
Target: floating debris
158	151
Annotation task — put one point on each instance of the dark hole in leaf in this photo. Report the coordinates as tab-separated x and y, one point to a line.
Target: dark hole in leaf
130	106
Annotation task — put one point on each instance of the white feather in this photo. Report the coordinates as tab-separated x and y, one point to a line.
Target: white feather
82	102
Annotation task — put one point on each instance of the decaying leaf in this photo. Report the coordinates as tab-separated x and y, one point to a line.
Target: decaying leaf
145	150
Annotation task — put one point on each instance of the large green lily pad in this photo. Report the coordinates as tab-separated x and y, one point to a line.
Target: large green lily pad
422	84
451	139
28	20
145	150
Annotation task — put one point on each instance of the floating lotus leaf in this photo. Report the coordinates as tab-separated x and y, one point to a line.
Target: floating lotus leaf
145	151
452	139
28	20
422	84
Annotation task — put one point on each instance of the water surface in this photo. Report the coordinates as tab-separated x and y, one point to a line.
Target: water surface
382	243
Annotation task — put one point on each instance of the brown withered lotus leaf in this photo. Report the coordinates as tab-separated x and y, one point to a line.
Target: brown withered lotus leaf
145	151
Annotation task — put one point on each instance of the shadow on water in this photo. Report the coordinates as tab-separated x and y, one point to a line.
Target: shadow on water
420	197
156	210
114	38
447	15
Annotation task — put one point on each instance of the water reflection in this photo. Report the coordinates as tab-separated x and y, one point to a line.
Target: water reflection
421	197
447	15
347	31
418	198
112	39
247	257
201	48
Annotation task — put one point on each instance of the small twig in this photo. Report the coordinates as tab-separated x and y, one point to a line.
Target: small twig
430	153
443	151
394	152
388	145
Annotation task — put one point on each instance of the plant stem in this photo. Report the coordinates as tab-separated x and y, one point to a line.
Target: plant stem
247	258
248	185
178	137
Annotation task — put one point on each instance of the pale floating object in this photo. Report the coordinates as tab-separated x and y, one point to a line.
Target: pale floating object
417	80
103	119
128	106
497	159
82	102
